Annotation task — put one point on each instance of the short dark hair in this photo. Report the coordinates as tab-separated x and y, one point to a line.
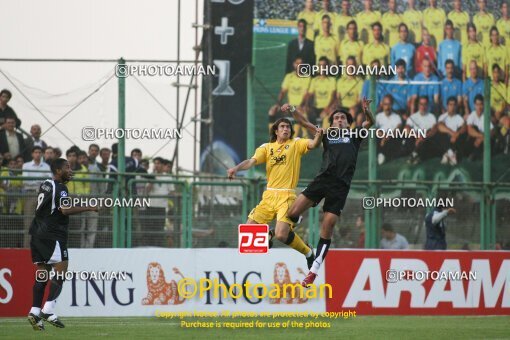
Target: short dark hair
345	111
82	153
302	21
448	23
159	159
478	97
387	227
70	151
36	147
93	145
496	66
115	148
423	97
48	147
7	92
403	25
451	99
275	125
401	62
326	16
135	150
323	58
470	25
57	164
389	96
449	61
103	150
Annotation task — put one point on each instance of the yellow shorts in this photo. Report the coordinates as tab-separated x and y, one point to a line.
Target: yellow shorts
274	204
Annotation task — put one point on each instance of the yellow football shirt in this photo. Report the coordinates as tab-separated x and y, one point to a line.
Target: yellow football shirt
349	90
496	55
374	51
460	21
350	48
341	22
390	23
323	89
327	47
434	19
473	51
317	25
296	87
365	21
498	96
483	23
283	162
413	19
309	17
504	30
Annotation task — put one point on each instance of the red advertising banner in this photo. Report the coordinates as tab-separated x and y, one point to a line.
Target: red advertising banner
17	275
419	282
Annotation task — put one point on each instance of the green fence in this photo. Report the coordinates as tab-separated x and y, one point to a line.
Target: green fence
205	212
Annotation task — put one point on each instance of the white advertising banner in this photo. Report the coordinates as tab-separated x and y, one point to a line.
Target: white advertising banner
151	281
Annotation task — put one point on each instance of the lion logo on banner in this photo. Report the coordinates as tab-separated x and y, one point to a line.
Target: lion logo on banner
160	291
282	276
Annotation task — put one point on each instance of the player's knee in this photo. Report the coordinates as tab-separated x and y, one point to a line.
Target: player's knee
40	285
282	235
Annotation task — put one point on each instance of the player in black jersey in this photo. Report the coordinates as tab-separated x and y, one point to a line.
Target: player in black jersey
49	230
334	178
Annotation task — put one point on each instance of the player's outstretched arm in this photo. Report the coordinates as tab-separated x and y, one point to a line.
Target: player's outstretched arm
369	116
244	165
299	117
76	210
316	141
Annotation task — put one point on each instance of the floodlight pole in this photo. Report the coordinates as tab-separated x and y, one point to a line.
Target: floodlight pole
121	164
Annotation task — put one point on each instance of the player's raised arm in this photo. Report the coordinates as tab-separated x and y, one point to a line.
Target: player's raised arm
244	165
316	141
369	116
299	117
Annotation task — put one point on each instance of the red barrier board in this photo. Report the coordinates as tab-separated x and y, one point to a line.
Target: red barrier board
419	282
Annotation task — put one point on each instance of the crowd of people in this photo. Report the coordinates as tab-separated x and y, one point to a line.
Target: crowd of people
26	161
442	61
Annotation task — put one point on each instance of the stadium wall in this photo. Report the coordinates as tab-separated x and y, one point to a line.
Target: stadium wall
359	279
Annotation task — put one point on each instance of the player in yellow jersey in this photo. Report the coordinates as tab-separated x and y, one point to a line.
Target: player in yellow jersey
365	19
326	10
496	54
308	15
351	46
342	20
321	94
413	19
390	22
282	156
378	49
483	21
348	91
503	24
434	19
326	44
460	20
473	50
498	94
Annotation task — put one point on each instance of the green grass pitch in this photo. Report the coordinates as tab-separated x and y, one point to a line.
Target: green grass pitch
361	327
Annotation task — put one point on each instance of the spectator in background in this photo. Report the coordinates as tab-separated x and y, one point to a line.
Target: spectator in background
348	89
431	91
450	86
424	51
11	142
154	226
360	227
33	140
365	20
58	153
473	50
391	21
451	132
503	25
497	55
167	166
475	128
5	110
376	49
436	228
326	45
403	50
342	20
460	20
400	93
19	162
104	154
391	239
300	47
89	219
35	168
77	188
498	95
449	49
413	19
319	18
388	148
484	21
471	88
365	90
321	94
49	155
308	15
434	19
351	46
136	154
422	120
11	204
93	153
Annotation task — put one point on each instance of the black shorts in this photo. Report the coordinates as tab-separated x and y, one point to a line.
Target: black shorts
334	191
48	251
